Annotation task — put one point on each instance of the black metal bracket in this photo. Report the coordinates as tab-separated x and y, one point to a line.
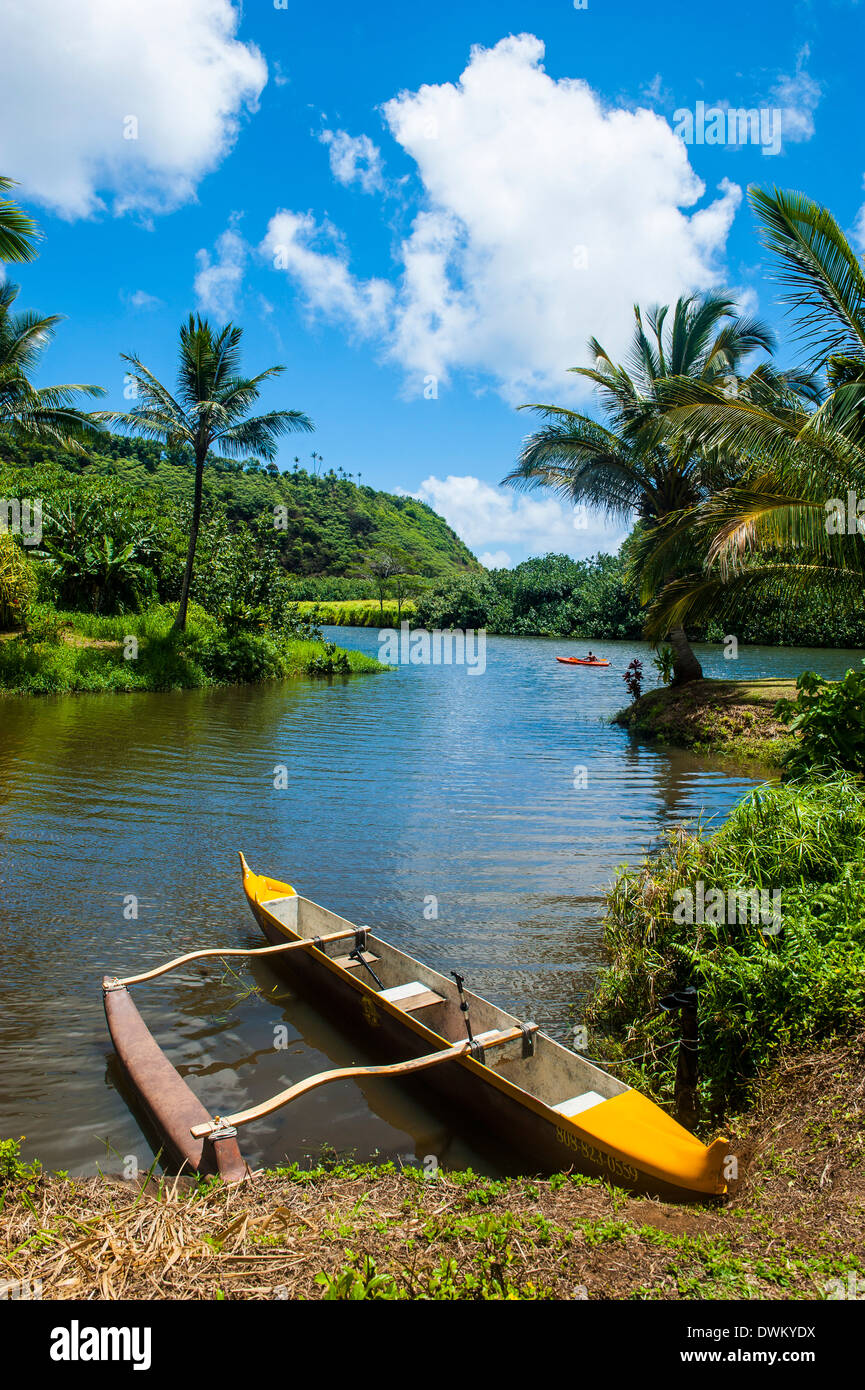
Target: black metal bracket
528	1031
361	941
463	1004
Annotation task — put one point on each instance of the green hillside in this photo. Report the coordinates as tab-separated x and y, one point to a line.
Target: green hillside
328	527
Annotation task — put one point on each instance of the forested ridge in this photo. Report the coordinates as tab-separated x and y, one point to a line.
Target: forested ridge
328	526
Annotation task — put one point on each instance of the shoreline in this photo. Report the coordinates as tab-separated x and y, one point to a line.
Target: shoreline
348	1231
77	654
730	718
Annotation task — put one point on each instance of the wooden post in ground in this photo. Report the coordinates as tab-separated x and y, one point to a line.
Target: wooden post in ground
684	1002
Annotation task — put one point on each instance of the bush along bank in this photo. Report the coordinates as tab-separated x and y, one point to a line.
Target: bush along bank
71	653
766	917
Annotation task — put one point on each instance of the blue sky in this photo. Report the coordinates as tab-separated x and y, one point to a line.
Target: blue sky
423	211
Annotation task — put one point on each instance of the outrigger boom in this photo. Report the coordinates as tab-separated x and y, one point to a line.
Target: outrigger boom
478	1047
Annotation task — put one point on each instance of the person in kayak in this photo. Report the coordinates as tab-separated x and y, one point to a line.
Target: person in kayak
591	656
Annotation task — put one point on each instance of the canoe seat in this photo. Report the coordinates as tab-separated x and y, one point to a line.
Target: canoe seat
348	964
576	1104
411	997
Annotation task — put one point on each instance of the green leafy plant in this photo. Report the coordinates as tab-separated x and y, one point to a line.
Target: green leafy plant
829	717
759	991
17	583
332	661
211	408
663	662
358	1279
12	1167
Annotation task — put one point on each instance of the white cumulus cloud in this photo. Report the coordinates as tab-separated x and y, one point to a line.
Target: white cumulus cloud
502	522
544	214
141	299
797	96
354	159
219	279
293	243
122	105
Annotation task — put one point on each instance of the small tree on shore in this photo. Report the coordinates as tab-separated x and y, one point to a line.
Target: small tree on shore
382	568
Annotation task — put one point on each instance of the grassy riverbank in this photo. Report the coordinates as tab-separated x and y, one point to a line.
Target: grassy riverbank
766	916
734	718
357	612
72	653
792	1224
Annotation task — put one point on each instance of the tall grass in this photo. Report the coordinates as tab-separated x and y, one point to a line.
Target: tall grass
359	612
57	655
759	991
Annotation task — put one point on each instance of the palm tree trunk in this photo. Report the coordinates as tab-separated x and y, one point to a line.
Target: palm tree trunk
180	620
686	667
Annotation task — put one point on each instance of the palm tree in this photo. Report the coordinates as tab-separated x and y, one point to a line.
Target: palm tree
47	413
210	408
768	533
18	232
637	463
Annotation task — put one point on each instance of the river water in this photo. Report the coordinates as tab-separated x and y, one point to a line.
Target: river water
442	808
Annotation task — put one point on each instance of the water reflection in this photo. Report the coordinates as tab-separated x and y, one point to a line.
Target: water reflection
418	785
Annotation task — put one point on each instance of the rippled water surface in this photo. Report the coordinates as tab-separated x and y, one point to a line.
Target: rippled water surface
417	783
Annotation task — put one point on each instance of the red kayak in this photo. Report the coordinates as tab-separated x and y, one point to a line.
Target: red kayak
580	661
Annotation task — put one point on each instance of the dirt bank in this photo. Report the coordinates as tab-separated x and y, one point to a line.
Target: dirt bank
793	1223
727	717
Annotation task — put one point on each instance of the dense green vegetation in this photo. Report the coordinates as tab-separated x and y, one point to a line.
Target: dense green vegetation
555	596
551	596
786	523
72	652
761	988
329	527
366	612
828	718
208	410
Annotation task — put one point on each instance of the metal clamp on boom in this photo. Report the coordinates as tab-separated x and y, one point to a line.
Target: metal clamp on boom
528	1031
222	1130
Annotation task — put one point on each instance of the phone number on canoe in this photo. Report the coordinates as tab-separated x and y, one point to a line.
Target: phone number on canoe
615	1165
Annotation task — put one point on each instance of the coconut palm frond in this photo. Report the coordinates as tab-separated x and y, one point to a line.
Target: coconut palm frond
824	277
784	583
18	231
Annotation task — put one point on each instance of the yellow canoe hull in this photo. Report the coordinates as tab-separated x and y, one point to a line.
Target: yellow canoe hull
622	1136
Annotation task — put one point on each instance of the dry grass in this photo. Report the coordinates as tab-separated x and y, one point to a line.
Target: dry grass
796	1219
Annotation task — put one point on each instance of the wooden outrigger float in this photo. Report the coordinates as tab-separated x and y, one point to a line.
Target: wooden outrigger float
535	1096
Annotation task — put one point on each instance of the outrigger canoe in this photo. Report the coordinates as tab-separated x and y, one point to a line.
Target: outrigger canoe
539	1099
580	661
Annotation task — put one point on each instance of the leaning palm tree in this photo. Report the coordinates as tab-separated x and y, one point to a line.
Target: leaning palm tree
18	231
787	526
46	413
210	408
637	464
